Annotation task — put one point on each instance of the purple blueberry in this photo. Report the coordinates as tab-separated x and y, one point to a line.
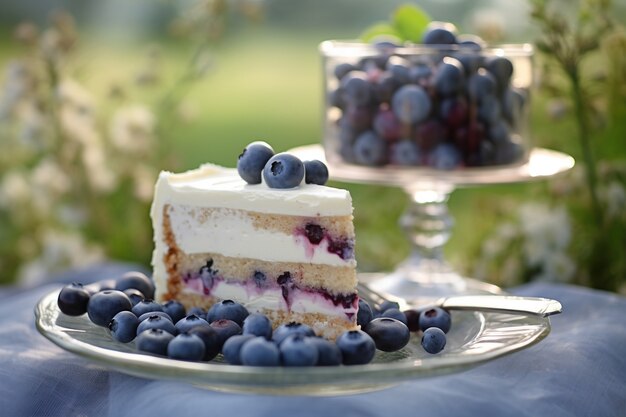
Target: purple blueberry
480	85
489	110
405	152
386	125
156	322
454	111
394	313
73	299
328	354
260	352
138	281
502	69
134	295
398	67
435	317
357	347
190	321
356	88
420	74
175	310
104	305
508	152
412	319
154	341
357	118
225	329
364	314
499	132
341	70
155	313
258	325
384	87
314	233
283	171
471	42
197	311
285	330
433	340
315	172
444	156
232	348
439	33
387	304
411	104
369	149
227	309
388	333
252	160
186	347
124	326
450	77
106	284
260	279
298	350
211	340
429	134
146	306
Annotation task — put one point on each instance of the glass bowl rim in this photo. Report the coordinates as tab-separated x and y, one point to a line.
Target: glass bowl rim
355	47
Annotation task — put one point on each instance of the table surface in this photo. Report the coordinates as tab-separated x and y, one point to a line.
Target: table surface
578	370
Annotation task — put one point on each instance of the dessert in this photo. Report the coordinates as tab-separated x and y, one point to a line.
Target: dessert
448	103
287	253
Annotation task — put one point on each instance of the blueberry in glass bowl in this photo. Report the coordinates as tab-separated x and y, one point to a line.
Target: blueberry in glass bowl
451	105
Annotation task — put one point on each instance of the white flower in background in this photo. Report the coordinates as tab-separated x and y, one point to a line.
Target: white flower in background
557	267
48	184
15	189
99	173
547	235
489	24
144	177
48	176
18	81
60	250
614	196
132	129
71	93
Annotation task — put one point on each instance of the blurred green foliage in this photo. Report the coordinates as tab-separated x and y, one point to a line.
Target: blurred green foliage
265	84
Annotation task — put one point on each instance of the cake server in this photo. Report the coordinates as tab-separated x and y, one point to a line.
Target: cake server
509	304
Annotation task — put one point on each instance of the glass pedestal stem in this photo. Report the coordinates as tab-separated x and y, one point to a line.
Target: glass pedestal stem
425	275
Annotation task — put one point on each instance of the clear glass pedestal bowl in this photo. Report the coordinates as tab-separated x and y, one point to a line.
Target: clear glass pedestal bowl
425	275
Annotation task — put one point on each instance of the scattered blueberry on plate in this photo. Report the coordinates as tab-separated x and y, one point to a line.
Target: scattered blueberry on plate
242	338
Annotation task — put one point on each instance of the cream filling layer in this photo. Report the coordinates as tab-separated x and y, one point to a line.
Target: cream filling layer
272	298
215	186
232	233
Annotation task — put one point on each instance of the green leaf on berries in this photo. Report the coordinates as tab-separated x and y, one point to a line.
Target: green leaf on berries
410	22
379	30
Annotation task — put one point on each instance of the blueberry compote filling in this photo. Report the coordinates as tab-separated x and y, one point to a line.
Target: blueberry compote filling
315	234
207	279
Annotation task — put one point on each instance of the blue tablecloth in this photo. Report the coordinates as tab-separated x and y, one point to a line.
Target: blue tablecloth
579	370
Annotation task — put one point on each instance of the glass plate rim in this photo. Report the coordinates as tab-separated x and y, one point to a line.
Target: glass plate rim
211	373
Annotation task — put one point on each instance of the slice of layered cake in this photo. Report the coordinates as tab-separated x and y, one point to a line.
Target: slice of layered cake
286	253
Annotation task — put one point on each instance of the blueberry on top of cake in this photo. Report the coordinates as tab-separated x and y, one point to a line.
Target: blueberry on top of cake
266	235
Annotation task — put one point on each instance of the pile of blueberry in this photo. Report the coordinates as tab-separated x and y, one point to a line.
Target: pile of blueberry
126	308
449	108
282	170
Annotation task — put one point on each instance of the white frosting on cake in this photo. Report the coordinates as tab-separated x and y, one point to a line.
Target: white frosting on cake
228	190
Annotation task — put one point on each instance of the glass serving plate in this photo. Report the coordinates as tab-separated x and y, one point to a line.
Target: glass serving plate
474	338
